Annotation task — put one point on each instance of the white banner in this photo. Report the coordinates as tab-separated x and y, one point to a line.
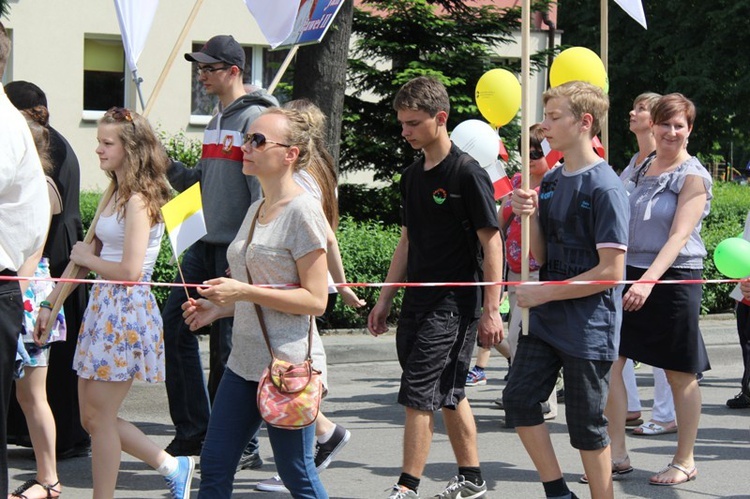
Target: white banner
275	19
135	18
634	8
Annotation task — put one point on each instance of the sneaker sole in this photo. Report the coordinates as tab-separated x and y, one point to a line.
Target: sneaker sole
189	481
477	383
265	487
335	451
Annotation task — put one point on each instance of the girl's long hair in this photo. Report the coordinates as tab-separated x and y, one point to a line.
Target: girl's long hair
320	165
37	118
145	164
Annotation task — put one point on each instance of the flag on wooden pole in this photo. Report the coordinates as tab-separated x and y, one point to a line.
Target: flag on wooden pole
183	217
500	181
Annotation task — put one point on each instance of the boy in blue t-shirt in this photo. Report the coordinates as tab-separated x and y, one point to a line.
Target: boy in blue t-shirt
579	232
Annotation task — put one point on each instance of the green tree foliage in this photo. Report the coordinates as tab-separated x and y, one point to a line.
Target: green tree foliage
397	40
692	47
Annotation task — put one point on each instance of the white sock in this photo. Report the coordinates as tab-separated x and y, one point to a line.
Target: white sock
168	466
325	437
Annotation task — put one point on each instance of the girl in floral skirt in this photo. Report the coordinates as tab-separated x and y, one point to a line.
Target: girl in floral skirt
121	334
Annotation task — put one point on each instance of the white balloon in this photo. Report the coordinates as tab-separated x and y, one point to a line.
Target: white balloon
478	139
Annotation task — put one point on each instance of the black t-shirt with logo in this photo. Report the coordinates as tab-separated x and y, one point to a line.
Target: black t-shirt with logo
439	249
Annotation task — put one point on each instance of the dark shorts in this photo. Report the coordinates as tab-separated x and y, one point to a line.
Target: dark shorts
435	351
532	379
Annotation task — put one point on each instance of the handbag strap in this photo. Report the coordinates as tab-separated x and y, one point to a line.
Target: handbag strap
258	309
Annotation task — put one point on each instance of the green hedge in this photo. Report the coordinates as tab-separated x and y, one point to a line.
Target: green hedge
366	250
729	209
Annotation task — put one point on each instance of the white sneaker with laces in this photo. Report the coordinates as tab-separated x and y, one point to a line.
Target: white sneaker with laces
273	484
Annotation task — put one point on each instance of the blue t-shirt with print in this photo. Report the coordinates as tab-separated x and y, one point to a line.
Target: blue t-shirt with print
578	213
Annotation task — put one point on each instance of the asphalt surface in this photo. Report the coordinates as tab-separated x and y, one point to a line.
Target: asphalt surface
364	377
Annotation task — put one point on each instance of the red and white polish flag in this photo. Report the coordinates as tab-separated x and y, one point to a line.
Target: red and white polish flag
500	181
553	156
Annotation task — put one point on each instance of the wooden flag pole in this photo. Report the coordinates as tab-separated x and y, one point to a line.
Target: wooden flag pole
172	56
282	69
72	269
525	92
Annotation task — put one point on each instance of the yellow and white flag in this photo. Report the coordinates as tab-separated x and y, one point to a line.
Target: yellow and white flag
183	217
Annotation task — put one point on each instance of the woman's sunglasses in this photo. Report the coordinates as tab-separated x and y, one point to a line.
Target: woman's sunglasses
258	140
535	154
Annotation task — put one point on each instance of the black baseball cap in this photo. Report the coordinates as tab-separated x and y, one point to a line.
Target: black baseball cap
221	48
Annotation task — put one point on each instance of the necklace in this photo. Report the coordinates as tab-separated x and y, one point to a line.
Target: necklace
265	208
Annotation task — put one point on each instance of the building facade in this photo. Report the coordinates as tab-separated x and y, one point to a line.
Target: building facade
73	50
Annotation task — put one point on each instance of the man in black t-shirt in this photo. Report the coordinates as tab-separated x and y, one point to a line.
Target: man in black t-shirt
437	328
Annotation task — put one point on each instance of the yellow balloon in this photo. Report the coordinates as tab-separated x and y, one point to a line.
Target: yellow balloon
498	96
578	63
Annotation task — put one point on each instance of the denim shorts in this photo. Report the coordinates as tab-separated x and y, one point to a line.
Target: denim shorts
435	351
532	379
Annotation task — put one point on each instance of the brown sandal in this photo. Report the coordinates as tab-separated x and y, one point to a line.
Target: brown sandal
19	492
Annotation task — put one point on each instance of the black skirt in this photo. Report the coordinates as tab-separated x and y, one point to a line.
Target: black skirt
665	332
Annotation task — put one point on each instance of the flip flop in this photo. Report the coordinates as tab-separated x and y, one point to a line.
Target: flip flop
618	471
633	422
651	429
689	475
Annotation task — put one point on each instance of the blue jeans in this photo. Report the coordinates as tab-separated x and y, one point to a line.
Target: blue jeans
11	317
234	420
189	401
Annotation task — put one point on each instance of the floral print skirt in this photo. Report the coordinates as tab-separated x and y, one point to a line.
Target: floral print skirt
121	335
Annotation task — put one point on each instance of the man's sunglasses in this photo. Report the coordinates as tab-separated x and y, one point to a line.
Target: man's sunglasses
258	140
211	69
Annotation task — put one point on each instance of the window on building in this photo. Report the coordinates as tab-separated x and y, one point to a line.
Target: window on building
261	65
103	74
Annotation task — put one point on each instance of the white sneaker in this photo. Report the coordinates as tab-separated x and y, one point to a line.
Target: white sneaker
273	484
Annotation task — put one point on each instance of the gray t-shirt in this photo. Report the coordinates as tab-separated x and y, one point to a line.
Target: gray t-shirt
653	204
271	259
579	213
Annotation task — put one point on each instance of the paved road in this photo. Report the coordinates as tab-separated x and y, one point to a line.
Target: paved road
364	379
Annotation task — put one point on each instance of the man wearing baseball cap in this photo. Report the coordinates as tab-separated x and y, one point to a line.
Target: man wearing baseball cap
227	193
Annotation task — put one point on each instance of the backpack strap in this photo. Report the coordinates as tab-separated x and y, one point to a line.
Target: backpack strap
459	209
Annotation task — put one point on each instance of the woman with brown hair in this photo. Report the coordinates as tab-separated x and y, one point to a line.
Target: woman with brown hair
669	198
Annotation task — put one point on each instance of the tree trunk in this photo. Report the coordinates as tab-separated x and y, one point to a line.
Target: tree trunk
320	74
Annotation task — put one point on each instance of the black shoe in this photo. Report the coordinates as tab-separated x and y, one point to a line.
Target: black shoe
324	453
741	401
249	461
185	447
82	449
561	396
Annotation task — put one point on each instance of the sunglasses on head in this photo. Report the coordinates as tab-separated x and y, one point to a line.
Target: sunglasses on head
535	154
120	114
258	140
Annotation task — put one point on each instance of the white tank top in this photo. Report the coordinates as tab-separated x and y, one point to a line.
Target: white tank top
111	232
